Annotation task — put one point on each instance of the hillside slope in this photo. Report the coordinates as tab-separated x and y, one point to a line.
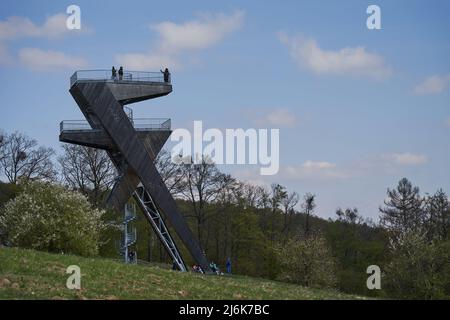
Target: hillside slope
28	274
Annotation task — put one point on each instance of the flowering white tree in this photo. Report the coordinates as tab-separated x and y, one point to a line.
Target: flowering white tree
49	217
308	262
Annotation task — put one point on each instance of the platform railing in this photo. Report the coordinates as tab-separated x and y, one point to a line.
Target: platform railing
156	124
106	75
74	125
140	124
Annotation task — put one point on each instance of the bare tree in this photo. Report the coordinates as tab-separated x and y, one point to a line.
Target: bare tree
201	184
263	200
249	195
308	207
171	171
278	194
88	170
2	146
23	159
288	203
349	216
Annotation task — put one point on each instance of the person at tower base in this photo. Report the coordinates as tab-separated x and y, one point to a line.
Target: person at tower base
228	265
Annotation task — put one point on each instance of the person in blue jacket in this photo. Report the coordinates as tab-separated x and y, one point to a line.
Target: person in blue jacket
228	265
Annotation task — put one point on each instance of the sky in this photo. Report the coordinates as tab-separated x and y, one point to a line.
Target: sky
357	109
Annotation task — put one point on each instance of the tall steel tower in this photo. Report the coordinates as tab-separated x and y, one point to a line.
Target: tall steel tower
132	145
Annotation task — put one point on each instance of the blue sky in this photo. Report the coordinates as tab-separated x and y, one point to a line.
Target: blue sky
357	109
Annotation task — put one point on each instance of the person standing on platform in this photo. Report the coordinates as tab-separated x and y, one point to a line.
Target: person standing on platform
166	74
120	73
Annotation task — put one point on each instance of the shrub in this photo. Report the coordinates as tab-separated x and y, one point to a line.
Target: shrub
49	217
308	262
418	269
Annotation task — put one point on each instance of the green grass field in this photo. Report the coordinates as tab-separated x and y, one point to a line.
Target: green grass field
28	274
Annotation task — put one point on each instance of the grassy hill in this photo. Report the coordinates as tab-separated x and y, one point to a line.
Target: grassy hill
28	274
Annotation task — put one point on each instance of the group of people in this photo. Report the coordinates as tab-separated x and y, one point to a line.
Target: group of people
214	268
197	269
114	73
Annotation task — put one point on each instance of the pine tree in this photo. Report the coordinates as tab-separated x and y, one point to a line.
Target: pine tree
437	219
403	210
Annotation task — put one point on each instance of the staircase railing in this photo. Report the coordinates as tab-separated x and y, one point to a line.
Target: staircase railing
153	215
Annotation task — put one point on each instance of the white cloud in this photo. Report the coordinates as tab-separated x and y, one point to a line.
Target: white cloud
176	39
253	176
38	59
309	170
197	34
279	118
406	159
324	170
17	27
311	165
355	61
433	85
314	170
140	61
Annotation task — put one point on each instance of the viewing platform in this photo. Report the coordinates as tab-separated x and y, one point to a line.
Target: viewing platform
102	75
131	87
139	124
154	130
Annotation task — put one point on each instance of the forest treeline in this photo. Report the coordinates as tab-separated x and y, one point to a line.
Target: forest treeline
266	232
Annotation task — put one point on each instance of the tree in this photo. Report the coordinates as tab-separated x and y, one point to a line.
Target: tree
437	216
278	193
349	216
308	207
308	262
48	217
356	243
201	184
2	147
248	195
88	170
403	212
23	159
418	269
288	203
170	170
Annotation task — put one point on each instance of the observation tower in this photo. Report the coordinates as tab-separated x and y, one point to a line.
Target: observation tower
132	144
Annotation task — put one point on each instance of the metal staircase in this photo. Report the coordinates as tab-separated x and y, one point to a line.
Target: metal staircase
153	215
129	234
